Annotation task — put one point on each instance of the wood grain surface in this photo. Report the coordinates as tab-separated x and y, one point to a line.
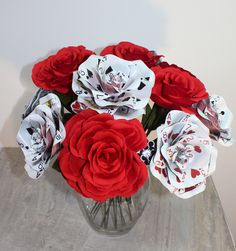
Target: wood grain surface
45	215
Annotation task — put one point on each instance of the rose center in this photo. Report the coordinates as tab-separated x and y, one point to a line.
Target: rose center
108	155
37	143
180	154
114	74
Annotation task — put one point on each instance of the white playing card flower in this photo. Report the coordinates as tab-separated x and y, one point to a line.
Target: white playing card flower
41	132
113	85
185	156
216	115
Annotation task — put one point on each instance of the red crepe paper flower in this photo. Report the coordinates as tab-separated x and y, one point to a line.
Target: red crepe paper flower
129	51
99	158
176	88
55	72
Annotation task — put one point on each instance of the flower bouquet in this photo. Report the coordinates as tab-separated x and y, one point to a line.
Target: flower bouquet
84	118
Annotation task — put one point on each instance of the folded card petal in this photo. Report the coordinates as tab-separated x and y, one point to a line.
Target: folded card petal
185	156
113	85
41	133
215	114
34	101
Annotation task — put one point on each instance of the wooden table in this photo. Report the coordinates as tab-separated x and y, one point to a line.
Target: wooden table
45	215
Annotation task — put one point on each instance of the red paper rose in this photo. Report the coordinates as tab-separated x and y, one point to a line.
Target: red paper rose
55	72
129	51
99	158
176	88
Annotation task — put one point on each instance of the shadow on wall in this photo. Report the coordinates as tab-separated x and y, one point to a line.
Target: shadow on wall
107	23
12	123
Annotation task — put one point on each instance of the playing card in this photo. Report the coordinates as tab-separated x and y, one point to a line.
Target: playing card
147	153
215	114
34	102
184	156
41	133
113	85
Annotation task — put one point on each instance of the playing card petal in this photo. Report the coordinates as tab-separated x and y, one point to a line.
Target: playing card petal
109	84
216	115
185	156
41	132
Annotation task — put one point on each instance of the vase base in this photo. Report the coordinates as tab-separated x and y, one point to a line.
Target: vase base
115	216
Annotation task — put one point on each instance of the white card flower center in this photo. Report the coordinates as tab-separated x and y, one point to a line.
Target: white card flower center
113	85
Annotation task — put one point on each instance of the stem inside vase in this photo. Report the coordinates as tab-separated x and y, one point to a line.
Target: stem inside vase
115	216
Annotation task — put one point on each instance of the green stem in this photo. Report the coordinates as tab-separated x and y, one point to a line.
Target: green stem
129	211
115	212
119	199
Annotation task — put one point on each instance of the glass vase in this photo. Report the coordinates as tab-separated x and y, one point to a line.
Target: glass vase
115	216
